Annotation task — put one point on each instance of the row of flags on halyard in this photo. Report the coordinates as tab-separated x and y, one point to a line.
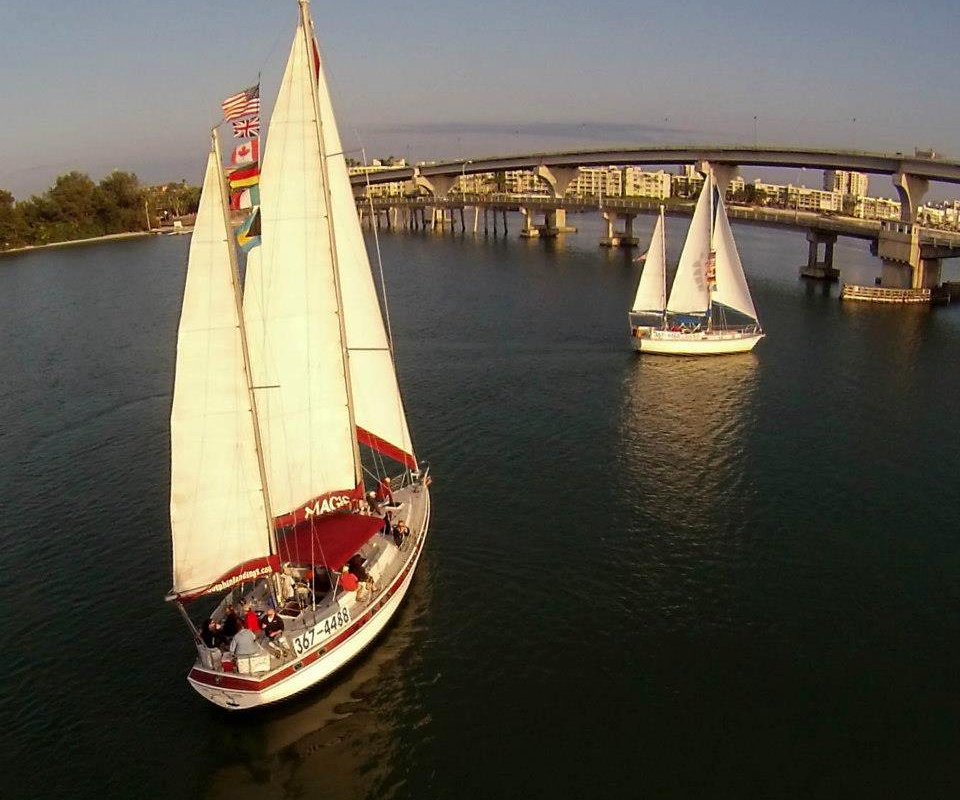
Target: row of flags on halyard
242	111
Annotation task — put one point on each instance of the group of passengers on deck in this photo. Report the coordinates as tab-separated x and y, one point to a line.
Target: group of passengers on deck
246	635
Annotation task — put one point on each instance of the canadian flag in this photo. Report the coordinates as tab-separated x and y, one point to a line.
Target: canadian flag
246	153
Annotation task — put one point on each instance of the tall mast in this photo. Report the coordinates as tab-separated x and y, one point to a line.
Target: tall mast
663	256
308	39
238	299
708	186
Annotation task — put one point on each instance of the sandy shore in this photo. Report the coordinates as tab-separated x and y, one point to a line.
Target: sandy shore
91	240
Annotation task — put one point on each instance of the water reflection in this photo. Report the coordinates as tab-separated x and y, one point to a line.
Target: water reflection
343	740
682	431
897	331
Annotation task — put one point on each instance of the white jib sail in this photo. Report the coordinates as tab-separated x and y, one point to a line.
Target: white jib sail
378	408
732	290
291	312
690	293
651	293
217	516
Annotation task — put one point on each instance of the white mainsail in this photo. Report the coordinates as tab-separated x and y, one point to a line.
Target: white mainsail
731	290
652	291
217	514
292	311
690	293
378	408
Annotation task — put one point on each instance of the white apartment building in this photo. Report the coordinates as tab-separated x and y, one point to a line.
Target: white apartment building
931	215
637	183
521	181
803	199
849	183
596	182
876	208
393	189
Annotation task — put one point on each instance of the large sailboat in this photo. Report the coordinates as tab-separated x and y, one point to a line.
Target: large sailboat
286	410
709	310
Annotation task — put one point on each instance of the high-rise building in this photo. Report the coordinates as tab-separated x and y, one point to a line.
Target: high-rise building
847	183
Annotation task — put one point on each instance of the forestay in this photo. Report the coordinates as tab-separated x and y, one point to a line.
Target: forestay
690	293
217	514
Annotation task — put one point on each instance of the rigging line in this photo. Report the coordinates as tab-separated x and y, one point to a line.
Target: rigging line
276	41
376	240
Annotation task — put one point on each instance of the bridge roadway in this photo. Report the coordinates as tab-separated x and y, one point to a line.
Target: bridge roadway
925	169
752	215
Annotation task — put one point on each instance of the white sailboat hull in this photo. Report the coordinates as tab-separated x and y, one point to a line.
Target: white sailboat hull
702	343
239	692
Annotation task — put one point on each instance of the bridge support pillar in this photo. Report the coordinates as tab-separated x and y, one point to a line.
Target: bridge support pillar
555	223
615	238
530	230
907	264
723	174
438	185
557	178
821	270
911	190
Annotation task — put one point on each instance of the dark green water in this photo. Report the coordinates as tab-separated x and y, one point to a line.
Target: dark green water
646	577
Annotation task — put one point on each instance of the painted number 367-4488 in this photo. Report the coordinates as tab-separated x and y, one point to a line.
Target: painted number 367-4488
320	631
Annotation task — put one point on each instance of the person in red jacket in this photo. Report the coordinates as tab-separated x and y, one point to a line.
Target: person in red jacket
348	581
385	491
250	620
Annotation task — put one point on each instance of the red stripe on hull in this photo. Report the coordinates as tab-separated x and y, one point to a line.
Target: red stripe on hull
223	680
384	447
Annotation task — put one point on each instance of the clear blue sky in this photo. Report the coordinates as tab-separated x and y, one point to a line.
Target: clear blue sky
135	84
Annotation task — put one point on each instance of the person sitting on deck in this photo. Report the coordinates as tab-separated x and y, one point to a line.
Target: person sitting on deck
231	623
211	634
245	643
273	630
355	565
250	620
400	533
385	491
348	581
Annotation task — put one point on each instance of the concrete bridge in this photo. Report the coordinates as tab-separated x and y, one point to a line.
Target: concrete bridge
910	256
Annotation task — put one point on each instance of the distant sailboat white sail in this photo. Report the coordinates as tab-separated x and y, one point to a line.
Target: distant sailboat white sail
709	282
690	293
275	394
732	290
651	297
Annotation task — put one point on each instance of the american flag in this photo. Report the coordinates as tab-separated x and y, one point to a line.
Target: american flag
242	104
247	128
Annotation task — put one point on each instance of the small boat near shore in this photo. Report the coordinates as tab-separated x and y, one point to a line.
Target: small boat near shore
709	310
286	414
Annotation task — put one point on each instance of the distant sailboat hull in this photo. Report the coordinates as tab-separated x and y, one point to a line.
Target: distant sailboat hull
701	343
236	692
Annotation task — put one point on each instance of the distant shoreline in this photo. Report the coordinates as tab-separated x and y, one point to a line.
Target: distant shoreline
71	242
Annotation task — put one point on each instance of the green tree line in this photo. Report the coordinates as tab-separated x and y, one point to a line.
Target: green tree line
77	208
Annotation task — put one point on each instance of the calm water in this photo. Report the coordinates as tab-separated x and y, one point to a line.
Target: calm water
725	578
